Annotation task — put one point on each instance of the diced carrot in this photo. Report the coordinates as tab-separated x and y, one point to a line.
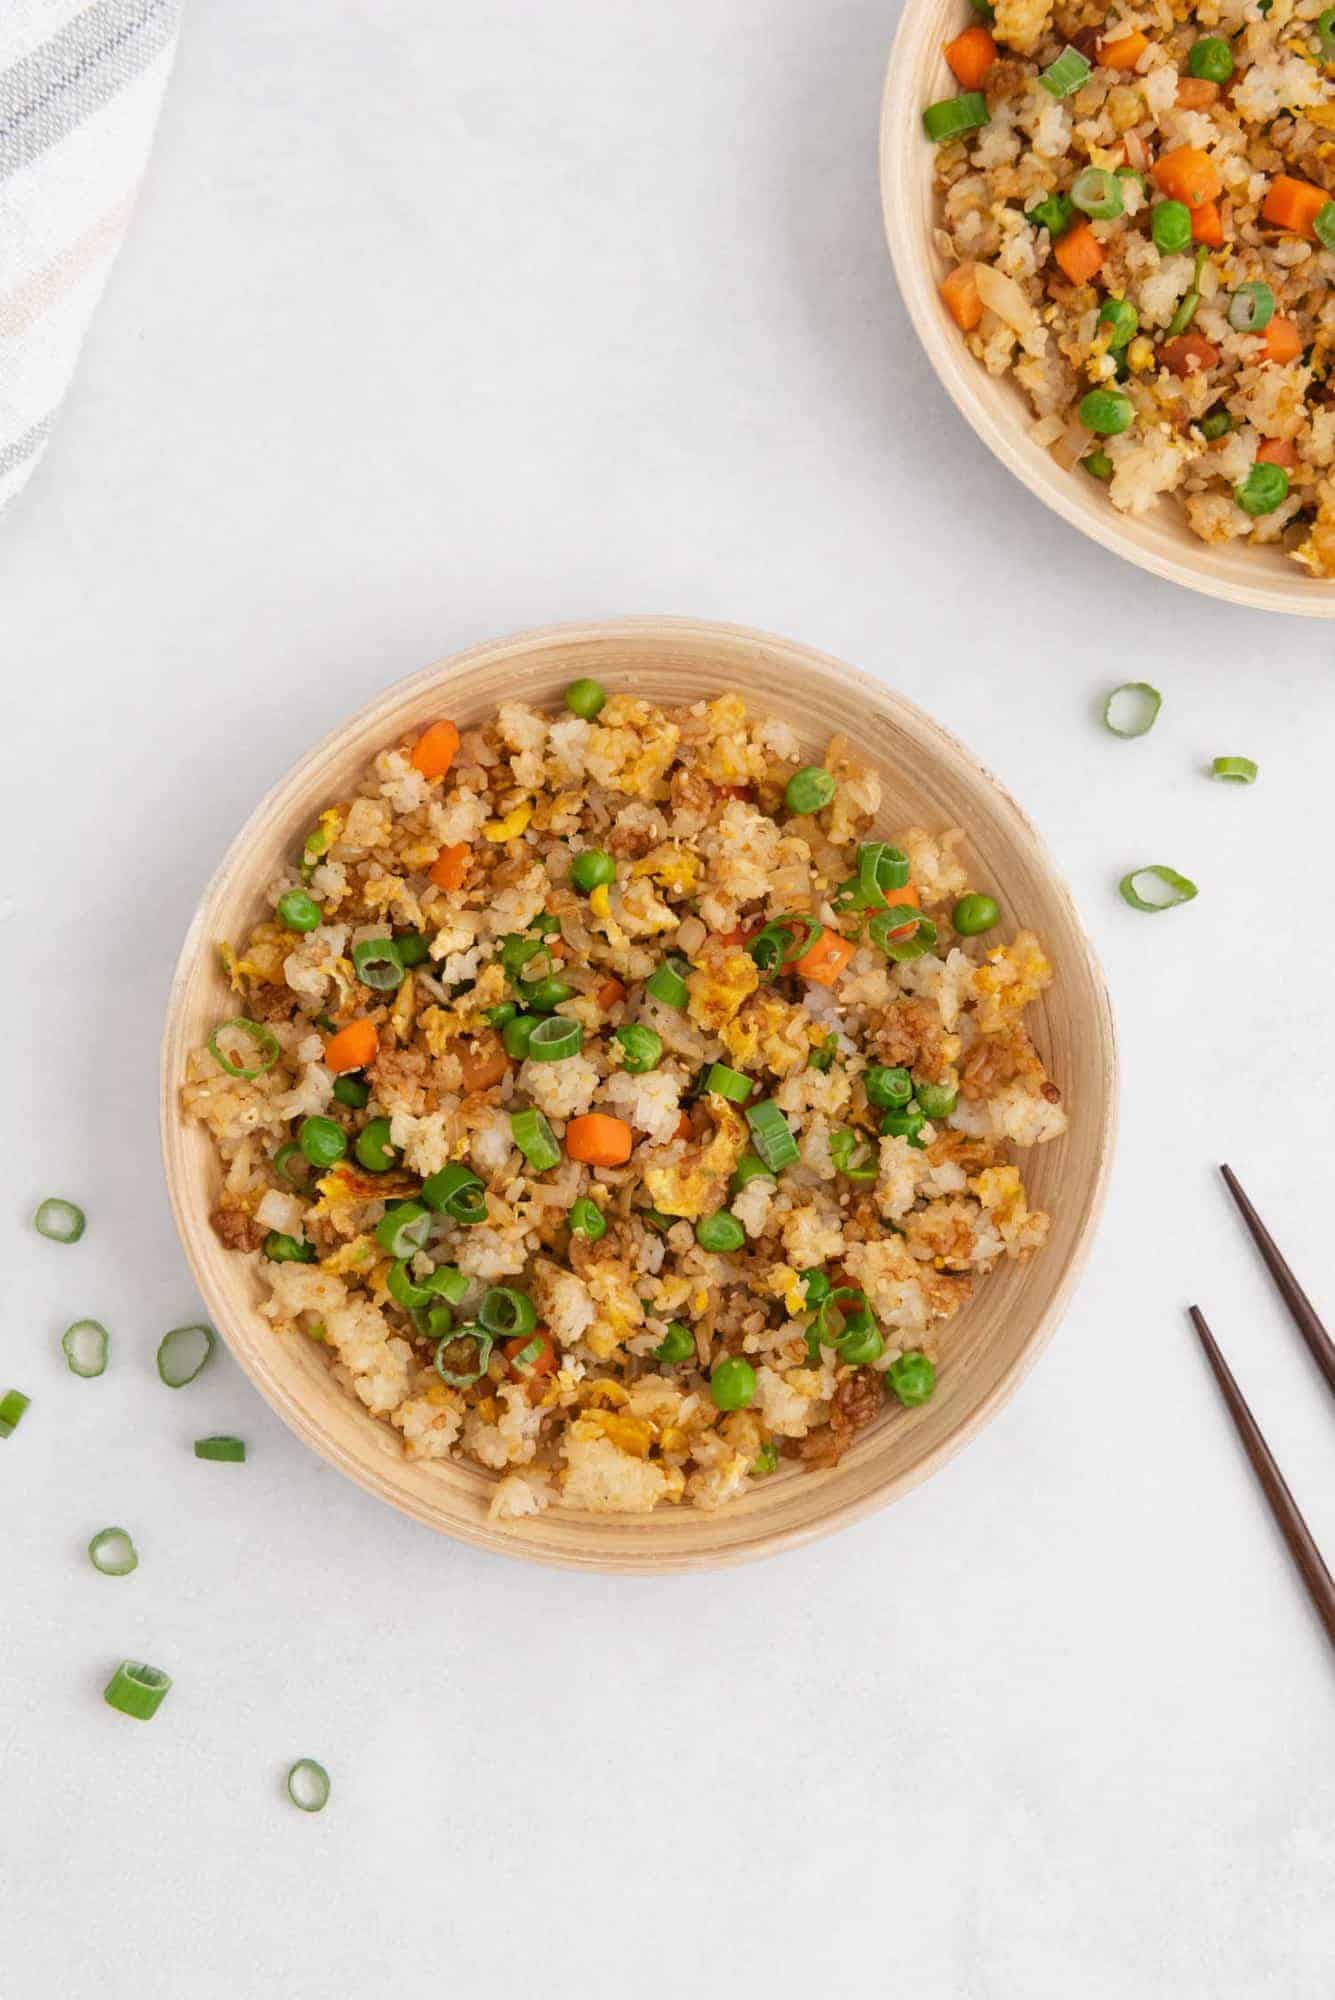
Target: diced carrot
1196	93
435	749
1294	205
483	1064
908	894
959	289
609	993
599	1139
1124	51
1179	355
1207	225
735	791
1187	174
1278	451
684	1126
1079	253
971	55
449	867
824	960
544	1362
352	1047
1282	340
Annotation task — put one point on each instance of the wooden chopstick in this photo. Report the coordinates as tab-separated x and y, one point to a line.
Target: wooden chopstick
1306	1555
1301	1310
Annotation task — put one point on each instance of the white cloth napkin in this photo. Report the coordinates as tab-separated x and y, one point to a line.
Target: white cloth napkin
80	89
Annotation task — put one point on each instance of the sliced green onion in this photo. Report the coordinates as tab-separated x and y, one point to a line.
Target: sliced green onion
1155	888
1184	315
831	1321
520	948
954	116
112	1553
887	1089
666	983
765	1461
373	1147
823	1057
280	1248
587	1219
12	1405
554	1039
458	1192
881	868
448	1354
783	939
224	1450
433	1322
1097	193
377	964
308	1785
922	934
1251	307
749	1168
1325	30
809	790
404	1289
771	1135
905	1124
1054	213
137	1690
654	1218
1323	225
288	1157
1236	770
861	1342
677	1344
1066	73
59	1221
507	1313
446	1282
854	1157
937	1100
527	1355
535	1139
729	1083
912	1377
640	1047
266	1044
816	1286
85	1345
544	996
1132	709
403	1229
183	1352
720	1232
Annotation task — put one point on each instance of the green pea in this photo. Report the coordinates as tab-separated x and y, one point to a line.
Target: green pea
937	1100
1170	226
1323	223
544	996
587	1219
641	1047
1097	464
351	1090
888	1089
733	1383
1107	412
297	911
973	915
677	1344
719	1232
281	1249
413	949
906	1124
516	1034
1122	319
1054	213
372	1147
498	1016
1211	58
809	790
912	1377
322	1141
1265	488
585	697
1218	424
591	869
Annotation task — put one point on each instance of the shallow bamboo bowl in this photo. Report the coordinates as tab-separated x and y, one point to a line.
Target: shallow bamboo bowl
1265	579
930	779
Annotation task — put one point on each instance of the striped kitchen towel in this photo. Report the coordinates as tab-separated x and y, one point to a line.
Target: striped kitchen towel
80	89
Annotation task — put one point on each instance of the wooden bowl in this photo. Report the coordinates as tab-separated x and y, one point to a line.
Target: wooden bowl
931	780
1265	578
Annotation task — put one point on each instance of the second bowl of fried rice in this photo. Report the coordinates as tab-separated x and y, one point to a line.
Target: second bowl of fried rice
637	1096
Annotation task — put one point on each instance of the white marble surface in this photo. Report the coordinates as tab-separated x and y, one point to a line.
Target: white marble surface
440	320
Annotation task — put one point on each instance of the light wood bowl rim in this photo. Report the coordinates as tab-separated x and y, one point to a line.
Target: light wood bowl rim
1262	579
190	1201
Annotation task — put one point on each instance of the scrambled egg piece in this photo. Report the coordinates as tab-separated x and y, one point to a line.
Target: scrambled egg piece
718	988
1014	975
770	1033
671	866
695	1185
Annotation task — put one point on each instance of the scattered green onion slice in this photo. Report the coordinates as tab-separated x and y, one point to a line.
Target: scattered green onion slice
954	116
729	1083
809	790
12	1405
641	1047
783	939
183	1352
1066	73
1184	315
1323	225
905	1124
881	868
1132	709
535	1139
854	1156
749	1168
308	1785
912	1377
720	1232
112	1553
823	1057
771	1135
1175	888
861	1342
404	1289
666	983
1251	307
506	1313
1097	193
765	1461
433	1322
831	1320
587	1219
377	964
282	1249
137	1690
1325	29
816	1286
266	1044
903	917
1235	770
404	1229
458	1192
85	1345
225	1450
447	1354
289	1157
413	949
554	1039
59	1221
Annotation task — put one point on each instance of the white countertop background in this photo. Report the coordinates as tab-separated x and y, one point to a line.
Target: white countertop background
440	320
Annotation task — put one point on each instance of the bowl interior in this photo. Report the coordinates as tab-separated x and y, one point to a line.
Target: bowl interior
929	779
1265	578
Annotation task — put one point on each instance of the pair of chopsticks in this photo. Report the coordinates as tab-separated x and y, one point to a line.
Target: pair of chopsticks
1305	1553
